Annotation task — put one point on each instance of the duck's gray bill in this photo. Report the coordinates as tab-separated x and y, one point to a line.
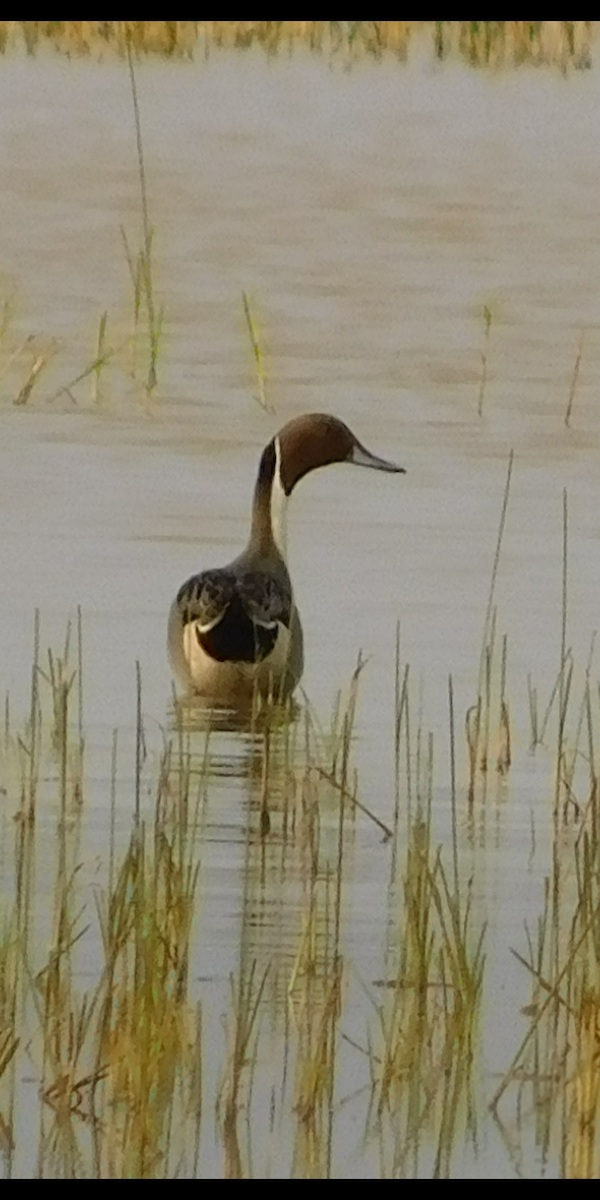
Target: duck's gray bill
364	458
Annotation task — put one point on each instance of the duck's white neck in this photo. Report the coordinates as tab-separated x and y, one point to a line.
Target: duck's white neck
279	504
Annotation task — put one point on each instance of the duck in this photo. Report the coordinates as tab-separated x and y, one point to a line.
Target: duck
234	632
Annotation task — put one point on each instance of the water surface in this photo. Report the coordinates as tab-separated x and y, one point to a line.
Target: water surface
370	216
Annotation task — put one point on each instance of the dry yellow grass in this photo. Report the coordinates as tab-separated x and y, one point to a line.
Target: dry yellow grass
560	43
119	1067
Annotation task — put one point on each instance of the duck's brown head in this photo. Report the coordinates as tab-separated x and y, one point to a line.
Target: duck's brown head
316	440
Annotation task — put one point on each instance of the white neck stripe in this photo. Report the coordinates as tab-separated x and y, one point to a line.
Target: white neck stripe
279	506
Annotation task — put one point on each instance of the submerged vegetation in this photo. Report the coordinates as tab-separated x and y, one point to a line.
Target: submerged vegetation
481	43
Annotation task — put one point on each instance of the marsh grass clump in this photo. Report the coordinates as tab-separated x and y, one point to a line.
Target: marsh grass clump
556	1065
479	43
423	1046
316	986
9	1041
102	1003
146	1034
316	1014
32	370
46	990
242	1031
499	43
487	720
118	1063
24	361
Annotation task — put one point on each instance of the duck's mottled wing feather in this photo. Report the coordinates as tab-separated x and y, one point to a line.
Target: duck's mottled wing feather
205	597
266	600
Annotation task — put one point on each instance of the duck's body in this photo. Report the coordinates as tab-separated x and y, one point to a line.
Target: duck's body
235	631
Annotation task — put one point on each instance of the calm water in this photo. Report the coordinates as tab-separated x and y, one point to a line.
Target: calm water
370	216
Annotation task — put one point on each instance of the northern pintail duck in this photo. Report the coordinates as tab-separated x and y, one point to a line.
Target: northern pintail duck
235	630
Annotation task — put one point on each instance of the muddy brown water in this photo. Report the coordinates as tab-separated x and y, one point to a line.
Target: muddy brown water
370	216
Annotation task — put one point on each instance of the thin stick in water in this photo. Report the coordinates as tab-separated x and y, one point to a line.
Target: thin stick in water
113	808
152	323
388	833
488	321
495	567
453	788
574	379
100	357
563	648
138	742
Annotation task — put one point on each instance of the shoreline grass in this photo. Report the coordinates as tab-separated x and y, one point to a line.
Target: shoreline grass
561	44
